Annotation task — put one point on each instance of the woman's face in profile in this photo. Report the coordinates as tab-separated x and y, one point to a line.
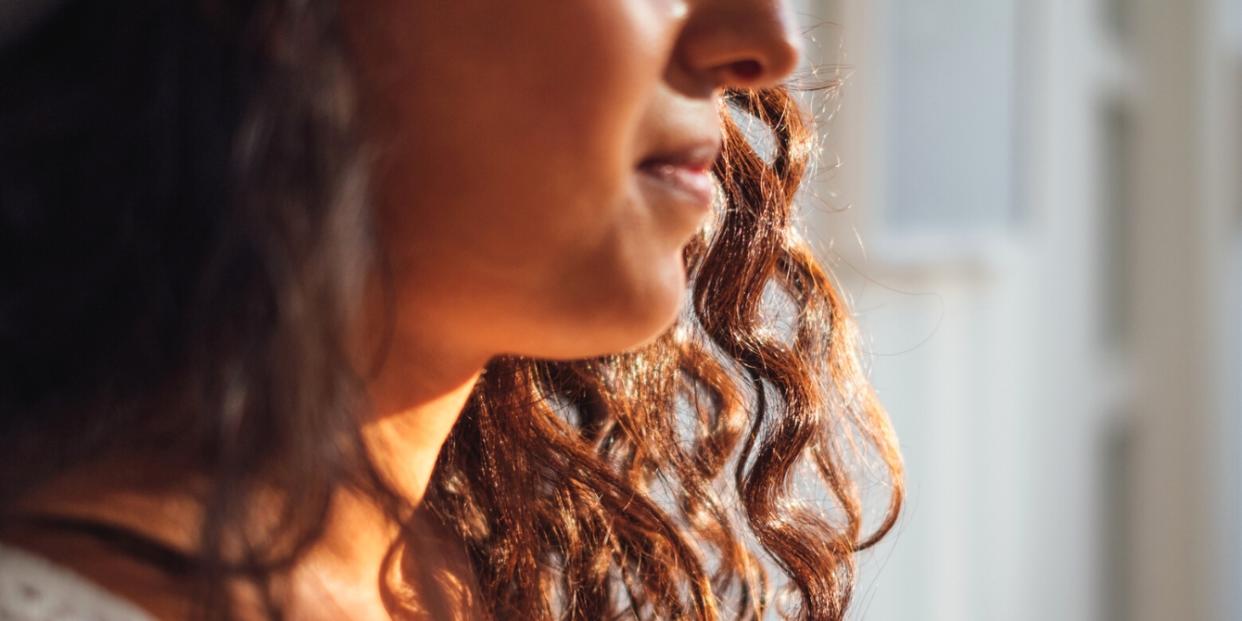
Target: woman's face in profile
541	163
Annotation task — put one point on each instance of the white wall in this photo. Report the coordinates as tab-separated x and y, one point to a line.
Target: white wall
1060	466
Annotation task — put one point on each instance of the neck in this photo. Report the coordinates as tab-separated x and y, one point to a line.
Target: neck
414	407
416	400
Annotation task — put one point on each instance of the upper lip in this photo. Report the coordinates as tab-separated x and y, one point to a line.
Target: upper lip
696	154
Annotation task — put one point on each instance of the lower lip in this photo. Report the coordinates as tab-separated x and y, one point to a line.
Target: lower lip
693	188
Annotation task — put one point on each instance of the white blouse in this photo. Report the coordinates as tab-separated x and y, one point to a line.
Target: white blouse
35	589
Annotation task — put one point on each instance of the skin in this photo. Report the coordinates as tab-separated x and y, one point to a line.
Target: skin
509	134
507	137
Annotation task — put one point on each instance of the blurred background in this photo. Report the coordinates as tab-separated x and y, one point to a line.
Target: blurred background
1036	207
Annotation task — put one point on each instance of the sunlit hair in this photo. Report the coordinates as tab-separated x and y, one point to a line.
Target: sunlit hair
185	234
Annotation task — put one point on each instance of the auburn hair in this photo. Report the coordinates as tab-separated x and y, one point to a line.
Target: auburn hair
184	229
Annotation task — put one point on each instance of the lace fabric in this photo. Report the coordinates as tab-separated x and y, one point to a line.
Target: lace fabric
35	589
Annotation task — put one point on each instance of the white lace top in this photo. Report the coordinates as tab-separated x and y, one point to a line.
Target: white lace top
34	589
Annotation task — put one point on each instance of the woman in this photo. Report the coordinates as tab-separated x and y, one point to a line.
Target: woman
414	309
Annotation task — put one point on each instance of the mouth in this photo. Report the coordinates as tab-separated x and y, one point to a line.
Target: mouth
683	177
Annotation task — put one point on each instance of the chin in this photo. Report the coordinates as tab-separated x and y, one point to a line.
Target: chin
643	331
639	313
613	318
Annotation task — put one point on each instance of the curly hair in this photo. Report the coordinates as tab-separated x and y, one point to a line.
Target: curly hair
184	230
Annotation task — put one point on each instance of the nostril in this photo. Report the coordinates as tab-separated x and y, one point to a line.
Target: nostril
747	69
740	44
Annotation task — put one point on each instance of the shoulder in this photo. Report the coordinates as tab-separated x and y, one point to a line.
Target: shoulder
34	589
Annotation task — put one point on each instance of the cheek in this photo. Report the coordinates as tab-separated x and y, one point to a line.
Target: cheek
508	156
526	111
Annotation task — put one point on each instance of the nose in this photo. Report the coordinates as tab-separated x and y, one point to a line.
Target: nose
740	43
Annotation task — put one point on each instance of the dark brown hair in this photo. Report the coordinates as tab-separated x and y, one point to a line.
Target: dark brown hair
184	230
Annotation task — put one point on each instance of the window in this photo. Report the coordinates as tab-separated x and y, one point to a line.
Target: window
951	101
